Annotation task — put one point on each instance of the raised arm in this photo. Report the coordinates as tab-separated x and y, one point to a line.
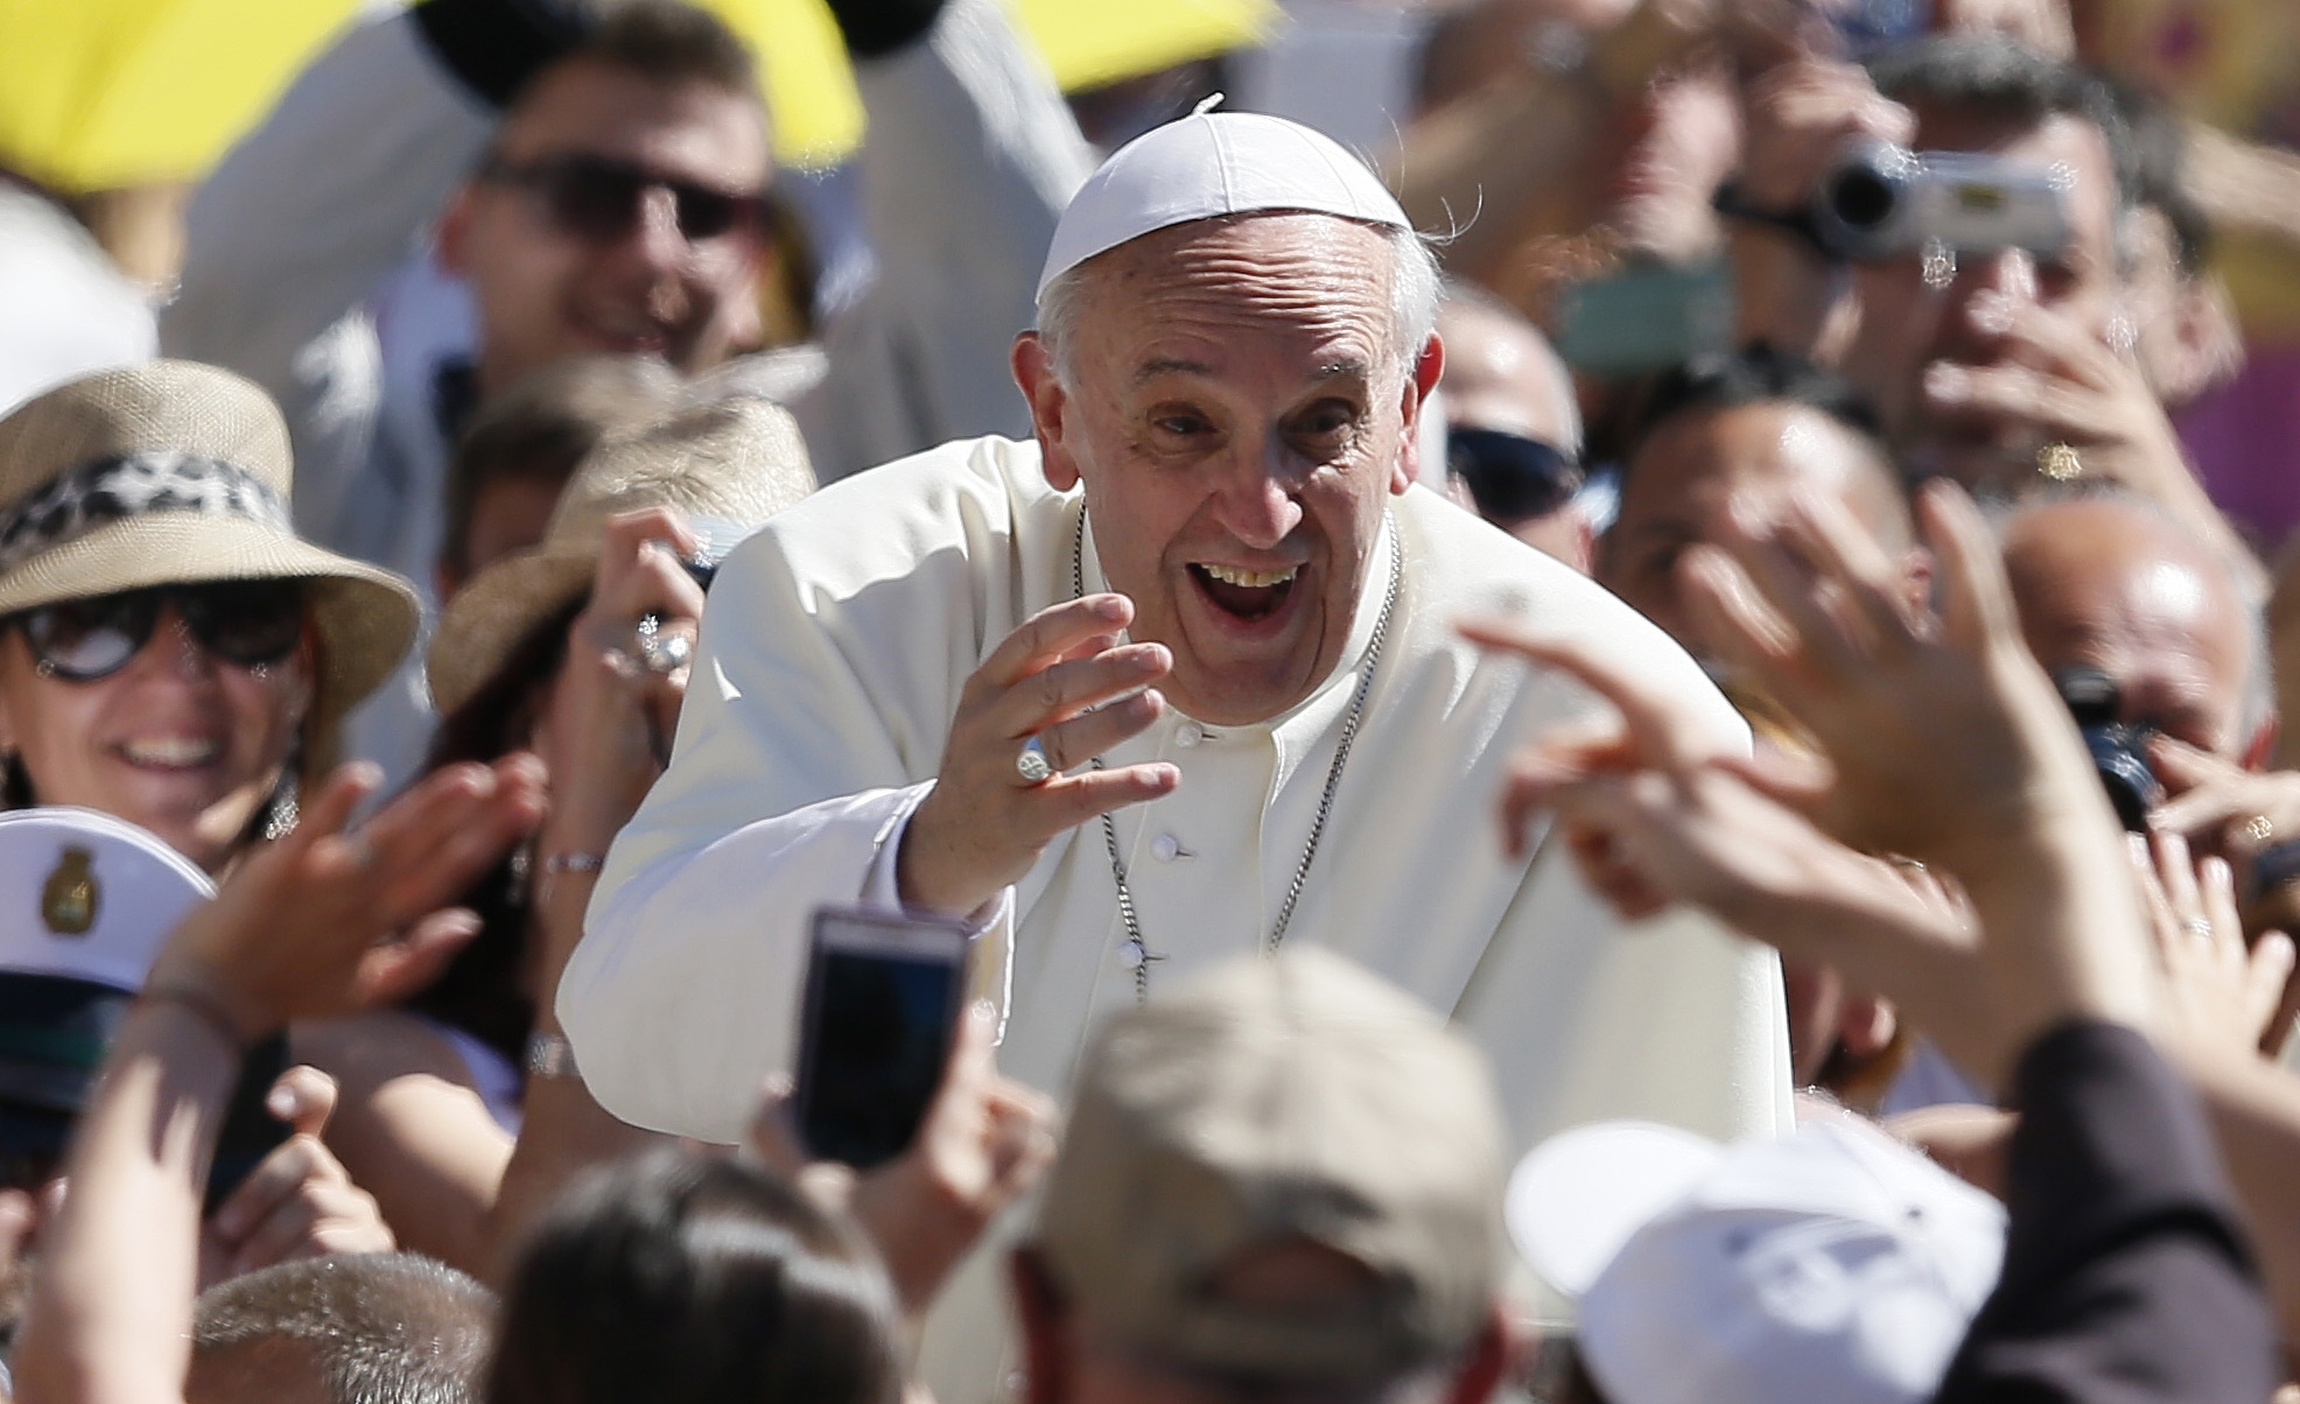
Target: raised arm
322	922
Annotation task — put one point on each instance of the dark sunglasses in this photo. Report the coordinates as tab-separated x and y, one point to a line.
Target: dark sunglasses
250	623
1511	477
598	199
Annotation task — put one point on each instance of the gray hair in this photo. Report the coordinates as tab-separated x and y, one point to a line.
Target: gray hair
1414	282
379	1327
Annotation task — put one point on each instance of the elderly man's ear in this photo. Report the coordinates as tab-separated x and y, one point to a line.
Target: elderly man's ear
1033	363
1429	368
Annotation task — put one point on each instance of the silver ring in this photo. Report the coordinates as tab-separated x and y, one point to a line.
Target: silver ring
662	653
1032	764
2198	927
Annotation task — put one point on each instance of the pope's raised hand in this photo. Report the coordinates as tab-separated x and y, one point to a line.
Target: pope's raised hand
1064	680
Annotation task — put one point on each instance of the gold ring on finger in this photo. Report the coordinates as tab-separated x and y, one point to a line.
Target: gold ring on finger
2259	829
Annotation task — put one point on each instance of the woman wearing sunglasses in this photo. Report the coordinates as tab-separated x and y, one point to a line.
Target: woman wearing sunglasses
170	652
460	1111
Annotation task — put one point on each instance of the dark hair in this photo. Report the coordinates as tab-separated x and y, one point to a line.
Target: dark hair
2160	168
542	428
1753	375
480	991
378	1326
1992	75
670	42
683	1278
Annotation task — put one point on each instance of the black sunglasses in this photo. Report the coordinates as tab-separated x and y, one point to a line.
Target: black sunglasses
250	623
1509	476
598	198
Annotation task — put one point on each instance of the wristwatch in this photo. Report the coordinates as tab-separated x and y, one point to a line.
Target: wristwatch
1731	203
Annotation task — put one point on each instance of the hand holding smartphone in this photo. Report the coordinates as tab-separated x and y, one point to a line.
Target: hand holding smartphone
883	997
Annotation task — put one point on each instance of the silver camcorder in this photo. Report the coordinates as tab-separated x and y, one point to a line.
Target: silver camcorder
1888	200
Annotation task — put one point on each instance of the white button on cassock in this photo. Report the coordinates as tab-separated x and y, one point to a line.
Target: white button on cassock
1189	734
1165	848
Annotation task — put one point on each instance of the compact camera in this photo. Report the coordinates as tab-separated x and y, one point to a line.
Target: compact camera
1887	200
2119	749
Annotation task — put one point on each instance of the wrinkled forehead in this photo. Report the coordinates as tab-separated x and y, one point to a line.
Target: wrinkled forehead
1275	272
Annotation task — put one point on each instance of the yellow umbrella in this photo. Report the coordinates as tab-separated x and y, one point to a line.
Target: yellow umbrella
96	94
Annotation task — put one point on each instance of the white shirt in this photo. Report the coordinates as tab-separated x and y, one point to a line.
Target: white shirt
64	309
833	650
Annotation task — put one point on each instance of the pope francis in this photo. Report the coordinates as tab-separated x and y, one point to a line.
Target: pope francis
1177	680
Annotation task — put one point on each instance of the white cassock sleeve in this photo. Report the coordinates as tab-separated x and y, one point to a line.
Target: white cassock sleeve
824	707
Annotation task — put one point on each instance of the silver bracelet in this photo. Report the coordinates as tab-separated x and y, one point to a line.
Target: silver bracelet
550	1055
574	862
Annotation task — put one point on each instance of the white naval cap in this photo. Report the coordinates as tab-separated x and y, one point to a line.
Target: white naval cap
87	897
1211	164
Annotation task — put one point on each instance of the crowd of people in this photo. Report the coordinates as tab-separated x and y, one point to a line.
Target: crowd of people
1612	757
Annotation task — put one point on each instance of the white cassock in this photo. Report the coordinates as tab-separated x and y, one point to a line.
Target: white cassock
832	656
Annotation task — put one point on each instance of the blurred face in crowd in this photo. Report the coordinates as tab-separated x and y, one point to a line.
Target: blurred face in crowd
1907	327
558	271
1502	377
1236	401
510	513
1678	488
180	741
2111	585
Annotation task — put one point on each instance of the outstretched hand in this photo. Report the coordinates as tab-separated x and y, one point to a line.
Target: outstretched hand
325	922
1941	739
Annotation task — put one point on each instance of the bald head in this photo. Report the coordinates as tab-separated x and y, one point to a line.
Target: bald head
1501	373
2111	583
1679	484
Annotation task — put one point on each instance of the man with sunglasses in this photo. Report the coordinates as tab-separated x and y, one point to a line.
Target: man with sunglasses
1512	426
598	177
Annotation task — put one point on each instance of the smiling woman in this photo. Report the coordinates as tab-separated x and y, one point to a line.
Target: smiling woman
170	652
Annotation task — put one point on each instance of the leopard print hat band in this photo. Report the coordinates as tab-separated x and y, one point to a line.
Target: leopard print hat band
128	485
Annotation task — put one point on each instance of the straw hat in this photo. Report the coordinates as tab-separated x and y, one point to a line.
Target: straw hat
171	472
727	466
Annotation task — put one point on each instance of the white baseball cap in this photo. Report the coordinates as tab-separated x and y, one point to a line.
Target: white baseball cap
1834	1265
85	902
1211	164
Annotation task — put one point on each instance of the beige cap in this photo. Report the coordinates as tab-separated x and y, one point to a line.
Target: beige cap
1275	1100
726	464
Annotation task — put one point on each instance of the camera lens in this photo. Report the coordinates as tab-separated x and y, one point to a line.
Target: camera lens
1862	197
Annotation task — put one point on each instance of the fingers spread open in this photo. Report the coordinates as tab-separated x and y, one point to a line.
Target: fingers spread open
1063	690
1977	602
1080	739
1052	632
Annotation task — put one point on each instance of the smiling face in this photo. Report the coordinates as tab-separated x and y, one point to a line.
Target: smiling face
1240	412
177	741
546	293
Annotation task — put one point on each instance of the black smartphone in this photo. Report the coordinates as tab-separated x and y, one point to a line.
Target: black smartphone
884	993
249	1132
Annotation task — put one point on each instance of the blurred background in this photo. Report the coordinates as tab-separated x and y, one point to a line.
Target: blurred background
115	108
